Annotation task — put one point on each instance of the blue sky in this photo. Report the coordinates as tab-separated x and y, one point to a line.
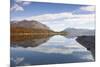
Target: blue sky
54	15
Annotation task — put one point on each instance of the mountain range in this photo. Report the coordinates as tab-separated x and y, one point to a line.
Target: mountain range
73	32
35	27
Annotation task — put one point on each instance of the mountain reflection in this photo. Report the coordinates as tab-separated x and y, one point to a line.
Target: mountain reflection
28	40
49	50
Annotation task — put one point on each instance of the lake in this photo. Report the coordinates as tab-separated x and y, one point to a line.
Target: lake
39	50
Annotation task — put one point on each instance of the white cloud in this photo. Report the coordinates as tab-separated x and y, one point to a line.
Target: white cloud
88	8
50	17
18	1
16	7
60	21
22	2
26	3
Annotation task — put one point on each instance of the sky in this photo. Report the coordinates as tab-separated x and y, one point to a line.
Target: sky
56	16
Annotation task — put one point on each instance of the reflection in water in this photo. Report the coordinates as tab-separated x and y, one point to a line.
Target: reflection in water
28	40
57	49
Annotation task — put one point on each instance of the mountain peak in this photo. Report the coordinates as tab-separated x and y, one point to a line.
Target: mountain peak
29	24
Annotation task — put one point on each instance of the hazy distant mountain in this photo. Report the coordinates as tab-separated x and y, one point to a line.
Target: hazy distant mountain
79	32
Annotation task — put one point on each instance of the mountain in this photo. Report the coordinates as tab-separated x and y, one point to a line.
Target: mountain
26	26
29	24
72	32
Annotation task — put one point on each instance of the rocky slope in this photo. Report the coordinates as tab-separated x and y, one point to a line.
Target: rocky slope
26	26
29	24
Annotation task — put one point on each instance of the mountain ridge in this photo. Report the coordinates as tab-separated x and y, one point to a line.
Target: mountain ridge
73	32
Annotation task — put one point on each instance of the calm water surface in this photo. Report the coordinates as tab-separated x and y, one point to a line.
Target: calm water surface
49	50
